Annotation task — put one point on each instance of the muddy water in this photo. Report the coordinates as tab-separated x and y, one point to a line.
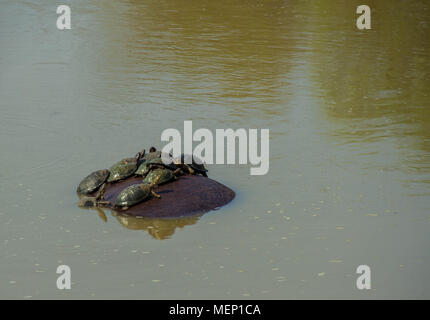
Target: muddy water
348	113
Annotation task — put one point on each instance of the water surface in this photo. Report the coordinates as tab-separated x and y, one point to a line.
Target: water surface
348	113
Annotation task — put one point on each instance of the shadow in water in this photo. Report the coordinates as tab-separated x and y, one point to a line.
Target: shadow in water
158	228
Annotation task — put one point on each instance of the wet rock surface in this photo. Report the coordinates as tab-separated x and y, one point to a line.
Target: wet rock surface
188	195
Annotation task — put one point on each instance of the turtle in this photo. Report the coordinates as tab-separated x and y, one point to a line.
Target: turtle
191	168
94	201
145	166
93	181
125	168
161	173
135	194
142	166
153	153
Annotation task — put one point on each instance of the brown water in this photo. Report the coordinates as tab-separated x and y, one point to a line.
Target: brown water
349	179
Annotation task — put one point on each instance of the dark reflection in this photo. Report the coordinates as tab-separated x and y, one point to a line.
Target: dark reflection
158	228
376	83
233	54
381	76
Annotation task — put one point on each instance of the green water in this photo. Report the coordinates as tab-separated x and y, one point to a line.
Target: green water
348	113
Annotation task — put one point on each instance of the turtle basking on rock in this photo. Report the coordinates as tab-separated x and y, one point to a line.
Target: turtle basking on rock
146	166
94	201
136	193
153	153
125	168
163	174
185	187
195	167
153	157
93	181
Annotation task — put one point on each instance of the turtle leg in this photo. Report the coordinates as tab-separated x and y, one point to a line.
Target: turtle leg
204	174
178	172
101	192
190	170
140	154
155	194
100	195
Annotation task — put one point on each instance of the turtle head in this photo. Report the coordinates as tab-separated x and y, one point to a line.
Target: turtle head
87	202
140	154
152	149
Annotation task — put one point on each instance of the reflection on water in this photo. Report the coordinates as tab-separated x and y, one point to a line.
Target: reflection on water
375	86
158	228
376	83
235	59
198	53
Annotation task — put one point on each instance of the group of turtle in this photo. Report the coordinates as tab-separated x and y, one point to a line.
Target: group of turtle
148	166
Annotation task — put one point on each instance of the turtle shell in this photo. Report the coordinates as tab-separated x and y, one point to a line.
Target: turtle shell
122	169
165	176
152	155
132	195
144	167
93	181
